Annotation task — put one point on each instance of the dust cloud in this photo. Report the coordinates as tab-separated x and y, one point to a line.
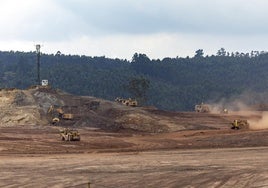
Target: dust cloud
257	119
246	101
261	123
237	106
252	106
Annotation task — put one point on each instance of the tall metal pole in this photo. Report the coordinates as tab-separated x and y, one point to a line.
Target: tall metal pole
38	46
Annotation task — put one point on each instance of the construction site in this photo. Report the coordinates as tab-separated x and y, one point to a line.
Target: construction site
50	138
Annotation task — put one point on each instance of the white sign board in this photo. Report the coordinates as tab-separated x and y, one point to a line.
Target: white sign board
44	83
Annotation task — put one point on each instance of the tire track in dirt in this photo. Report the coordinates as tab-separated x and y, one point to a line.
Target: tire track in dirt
185	168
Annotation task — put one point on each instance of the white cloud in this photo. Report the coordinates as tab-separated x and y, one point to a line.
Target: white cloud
157	16
37	20
117	28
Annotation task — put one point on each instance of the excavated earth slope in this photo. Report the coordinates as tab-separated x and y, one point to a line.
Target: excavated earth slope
29	107
18	108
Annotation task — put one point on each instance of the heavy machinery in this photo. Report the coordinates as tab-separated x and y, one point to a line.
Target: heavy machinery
240	124
203	108
224	111
69	135
58	114
127	102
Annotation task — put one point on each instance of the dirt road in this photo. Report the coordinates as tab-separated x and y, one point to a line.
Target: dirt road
245	167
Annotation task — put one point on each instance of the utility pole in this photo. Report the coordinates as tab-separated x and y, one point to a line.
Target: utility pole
38	46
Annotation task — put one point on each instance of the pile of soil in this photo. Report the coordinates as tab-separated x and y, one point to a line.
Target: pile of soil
30	107
18	108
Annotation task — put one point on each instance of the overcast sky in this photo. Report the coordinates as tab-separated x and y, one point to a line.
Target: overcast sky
119	28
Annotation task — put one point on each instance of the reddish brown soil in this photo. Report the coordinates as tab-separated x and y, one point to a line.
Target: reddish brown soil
139	147
34	156
46	140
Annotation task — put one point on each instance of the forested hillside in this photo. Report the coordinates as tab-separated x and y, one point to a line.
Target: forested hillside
170	83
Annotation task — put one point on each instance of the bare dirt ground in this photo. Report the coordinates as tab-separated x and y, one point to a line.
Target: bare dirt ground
127	147
34	156
242	167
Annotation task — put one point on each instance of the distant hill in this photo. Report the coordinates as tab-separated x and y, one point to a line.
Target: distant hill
174	83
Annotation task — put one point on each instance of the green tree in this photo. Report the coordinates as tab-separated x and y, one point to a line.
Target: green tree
141	63
221	52
199	53
138	88
140	58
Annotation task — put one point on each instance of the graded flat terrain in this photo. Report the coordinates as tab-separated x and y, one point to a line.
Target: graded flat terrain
244	167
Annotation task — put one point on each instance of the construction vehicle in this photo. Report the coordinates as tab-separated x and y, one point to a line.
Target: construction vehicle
130	102
203	108
127	102
69	135
58	114
224	111
240	124
119	100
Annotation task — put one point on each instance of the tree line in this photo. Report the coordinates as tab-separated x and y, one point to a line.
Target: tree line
171	83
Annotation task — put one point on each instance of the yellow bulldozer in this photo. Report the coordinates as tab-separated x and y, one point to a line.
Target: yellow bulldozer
69	135
127	102
58	114
240	124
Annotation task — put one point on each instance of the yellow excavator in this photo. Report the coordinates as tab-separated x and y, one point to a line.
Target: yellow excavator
58	114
